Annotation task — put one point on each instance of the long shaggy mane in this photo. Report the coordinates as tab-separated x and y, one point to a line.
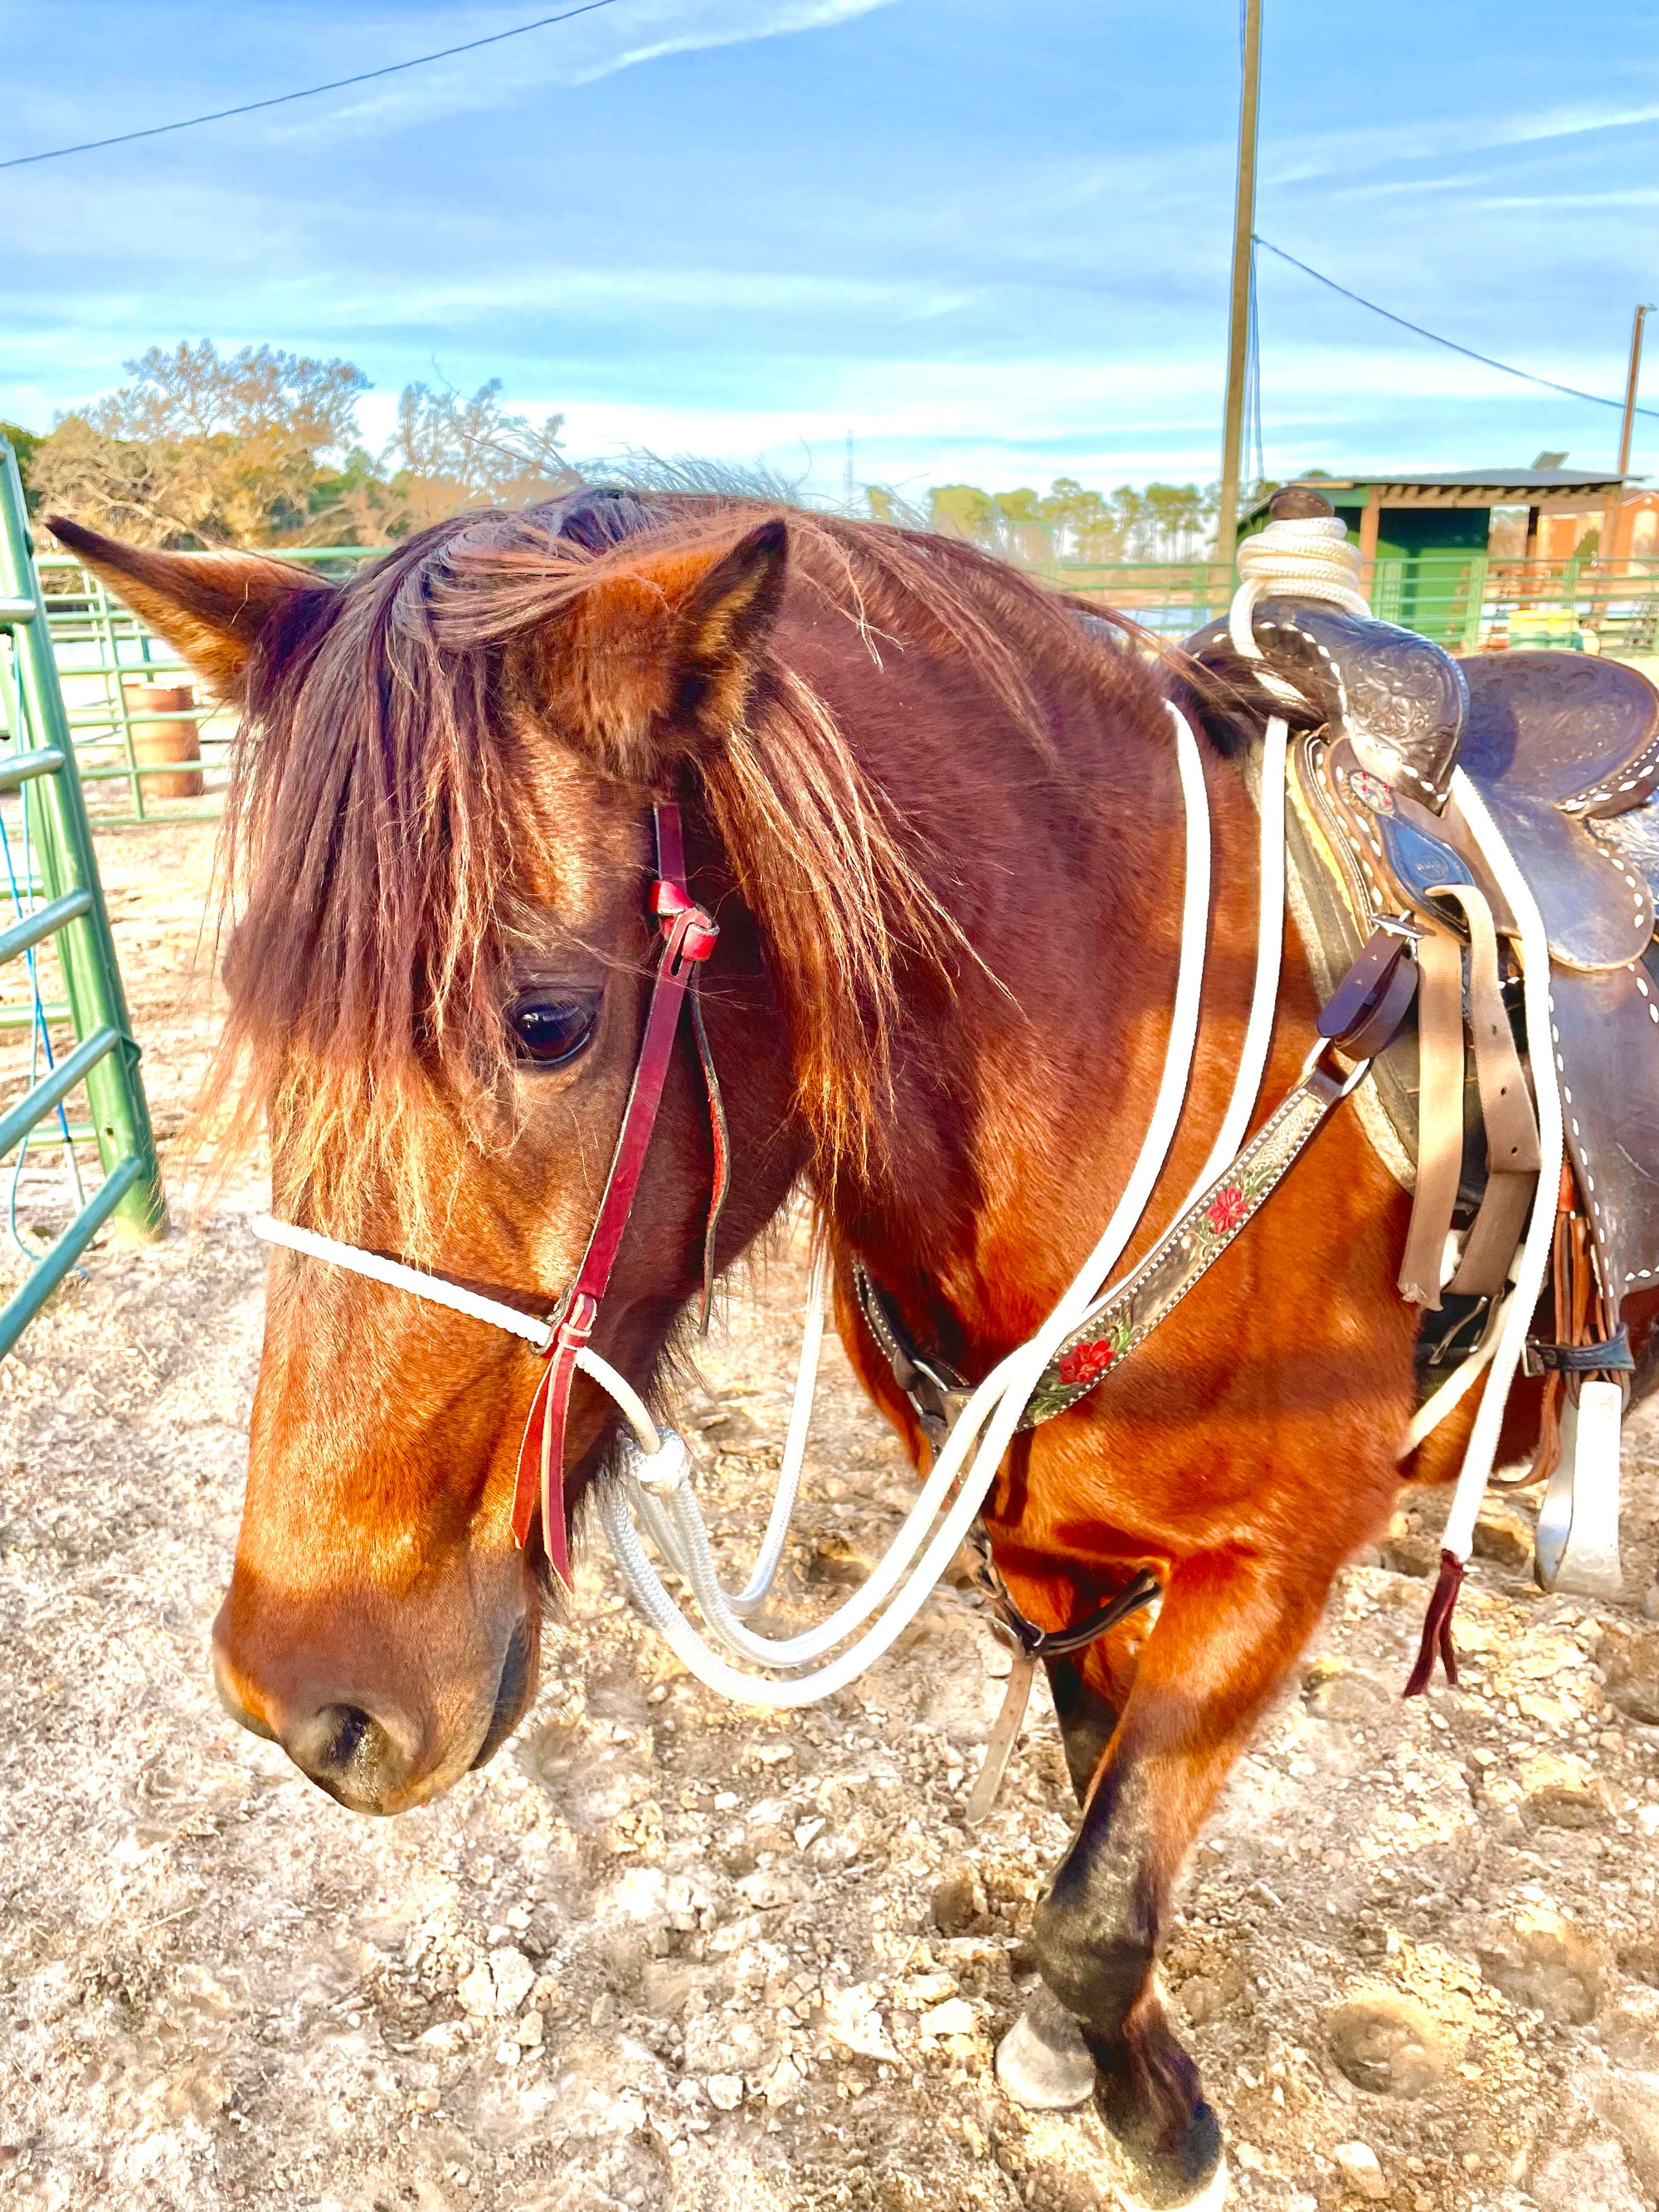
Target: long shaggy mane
377	819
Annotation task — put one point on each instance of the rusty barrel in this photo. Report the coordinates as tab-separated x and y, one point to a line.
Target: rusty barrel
158	744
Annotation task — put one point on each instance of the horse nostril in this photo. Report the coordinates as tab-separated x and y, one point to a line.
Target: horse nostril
355	1725
358	1757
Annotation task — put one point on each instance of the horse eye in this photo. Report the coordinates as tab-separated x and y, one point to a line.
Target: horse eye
548	1031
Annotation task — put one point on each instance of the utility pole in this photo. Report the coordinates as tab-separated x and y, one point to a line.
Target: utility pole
1610	505
1238	322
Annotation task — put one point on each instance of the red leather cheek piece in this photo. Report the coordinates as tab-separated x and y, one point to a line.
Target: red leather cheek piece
526	1495
689	937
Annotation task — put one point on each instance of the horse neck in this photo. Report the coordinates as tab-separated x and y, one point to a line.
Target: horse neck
1019	1096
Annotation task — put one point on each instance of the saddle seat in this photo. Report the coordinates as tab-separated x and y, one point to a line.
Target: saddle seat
1564	748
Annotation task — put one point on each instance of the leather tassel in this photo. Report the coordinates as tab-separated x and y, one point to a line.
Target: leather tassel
1436	1629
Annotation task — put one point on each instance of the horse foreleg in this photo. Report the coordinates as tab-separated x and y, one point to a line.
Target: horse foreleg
1086	1719
1227	1631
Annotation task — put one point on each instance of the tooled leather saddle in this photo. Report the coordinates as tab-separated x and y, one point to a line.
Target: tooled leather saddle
1564	748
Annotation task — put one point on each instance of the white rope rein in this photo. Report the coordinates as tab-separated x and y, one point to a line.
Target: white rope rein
675	1524
972	1454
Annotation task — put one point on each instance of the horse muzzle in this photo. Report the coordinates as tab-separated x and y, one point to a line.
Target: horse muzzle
372	1751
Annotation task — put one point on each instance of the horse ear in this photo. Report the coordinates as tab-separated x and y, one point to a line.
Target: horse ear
725	623
211	606
662	655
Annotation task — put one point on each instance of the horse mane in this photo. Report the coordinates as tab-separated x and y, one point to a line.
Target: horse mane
377	797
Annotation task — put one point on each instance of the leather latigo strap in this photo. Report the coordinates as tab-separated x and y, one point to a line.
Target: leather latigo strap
1506	1108
689	937
1439	1116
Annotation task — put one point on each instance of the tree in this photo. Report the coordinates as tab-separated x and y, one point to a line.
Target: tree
202	449
961	510
23	443
449	452
261	447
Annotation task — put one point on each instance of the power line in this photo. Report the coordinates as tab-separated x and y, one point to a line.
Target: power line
310	92
1451	344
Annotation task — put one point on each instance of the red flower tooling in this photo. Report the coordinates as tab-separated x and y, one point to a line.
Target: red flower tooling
1086	1362
1226	1210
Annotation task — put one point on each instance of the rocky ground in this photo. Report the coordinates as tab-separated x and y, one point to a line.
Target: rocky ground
665	1954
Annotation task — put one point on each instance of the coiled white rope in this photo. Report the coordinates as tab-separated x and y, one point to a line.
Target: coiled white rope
1309	558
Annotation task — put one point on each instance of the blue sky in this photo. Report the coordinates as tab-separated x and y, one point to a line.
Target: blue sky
988	237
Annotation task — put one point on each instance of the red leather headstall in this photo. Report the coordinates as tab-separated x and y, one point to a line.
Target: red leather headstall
688	939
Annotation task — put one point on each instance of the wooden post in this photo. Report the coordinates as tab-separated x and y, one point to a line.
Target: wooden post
1614	498
1370	521
1238	317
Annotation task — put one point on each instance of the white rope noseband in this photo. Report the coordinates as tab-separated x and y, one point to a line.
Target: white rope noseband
439	1292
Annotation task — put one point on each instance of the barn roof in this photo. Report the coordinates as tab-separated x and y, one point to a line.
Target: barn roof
1558	490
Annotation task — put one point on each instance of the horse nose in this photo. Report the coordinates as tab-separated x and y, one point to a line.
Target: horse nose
366	1759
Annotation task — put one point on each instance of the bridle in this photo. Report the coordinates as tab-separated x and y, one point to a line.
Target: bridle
654	1476
688	936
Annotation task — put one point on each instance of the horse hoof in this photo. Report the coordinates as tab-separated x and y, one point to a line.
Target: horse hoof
1211	2197
1042	2063
1185	2173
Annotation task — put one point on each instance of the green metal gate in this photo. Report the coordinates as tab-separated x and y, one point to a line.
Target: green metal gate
59	899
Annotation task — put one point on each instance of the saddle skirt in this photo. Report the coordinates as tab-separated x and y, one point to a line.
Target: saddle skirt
1564	748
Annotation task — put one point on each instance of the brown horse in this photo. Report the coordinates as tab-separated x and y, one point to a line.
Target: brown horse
936	814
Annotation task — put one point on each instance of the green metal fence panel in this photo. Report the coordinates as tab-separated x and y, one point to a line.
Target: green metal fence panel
1170	598
62	902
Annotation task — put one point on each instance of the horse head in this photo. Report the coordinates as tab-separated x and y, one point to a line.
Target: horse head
437	968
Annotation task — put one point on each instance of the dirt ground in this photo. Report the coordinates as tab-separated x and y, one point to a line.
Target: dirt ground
665	1954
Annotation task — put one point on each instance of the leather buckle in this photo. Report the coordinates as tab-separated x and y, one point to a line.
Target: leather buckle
702	935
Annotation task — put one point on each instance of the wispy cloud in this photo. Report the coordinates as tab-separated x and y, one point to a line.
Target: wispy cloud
990	238
568	55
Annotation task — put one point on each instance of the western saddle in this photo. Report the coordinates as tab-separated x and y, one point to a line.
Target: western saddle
1564	749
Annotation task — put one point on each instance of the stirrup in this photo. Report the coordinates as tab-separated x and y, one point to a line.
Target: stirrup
1578	1542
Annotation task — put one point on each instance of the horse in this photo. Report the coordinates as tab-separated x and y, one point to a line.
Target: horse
933	808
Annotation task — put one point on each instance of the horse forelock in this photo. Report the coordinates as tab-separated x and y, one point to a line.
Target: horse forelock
378	815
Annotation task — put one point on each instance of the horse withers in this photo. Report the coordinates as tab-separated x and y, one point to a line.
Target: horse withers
936	817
